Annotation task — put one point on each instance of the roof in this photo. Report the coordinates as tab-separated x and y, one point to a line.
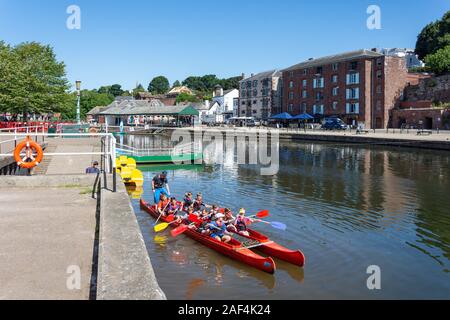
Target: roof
264	74
364	53
181	89
144	107
96	110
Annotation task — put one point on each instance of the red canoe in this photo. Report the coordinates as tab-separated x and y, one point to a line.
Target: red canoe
275	250
233	249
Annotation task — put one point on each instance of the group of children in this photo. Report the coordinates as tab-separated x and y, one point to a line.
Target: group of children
217	223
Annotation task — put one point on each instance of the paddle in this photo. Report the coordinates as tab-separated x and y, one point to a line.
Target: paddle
163	226
275	224
180	230
161	213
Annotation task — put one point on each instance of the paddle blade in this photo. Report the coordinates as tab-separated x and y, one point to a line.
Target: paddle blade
194	218
180	230
263	214
161	227
170	218
279	225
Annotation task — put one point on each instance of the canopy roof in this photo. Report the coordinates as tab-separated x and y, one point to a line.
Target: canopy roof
303	116
282	116
150	108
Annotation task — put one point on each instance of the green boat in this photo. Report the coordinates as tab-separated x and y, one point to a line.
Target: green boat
183	154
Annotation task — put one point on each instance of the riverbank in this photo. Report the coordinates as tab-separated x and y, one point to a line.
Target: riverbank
435	141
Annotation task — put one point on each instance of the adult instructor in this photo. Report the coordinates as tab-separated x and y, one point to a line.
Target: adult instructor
160	185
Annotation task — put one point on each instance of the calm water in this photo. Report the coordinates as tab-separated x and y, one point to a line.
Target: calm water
347	207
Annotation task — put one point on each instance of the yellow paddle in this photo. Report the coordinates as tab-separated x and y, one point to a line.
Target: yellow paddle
163	226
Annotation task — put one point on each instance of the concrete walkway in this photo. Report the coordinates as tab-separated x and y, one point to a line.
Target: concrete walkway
47	227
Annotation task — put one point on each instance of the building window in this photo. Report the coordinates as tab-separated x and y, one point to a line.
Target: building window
255	83
319	70
319	83
335	105
335	66
354	65
255	93
352	108
243	103
291	84
319	96
305	71
304	107
243	112
305	83
379	74
352	93
254	111
335	91
353	78
290	108
378	105
304	94
249	84
379	62
291	96
318	109
291	74
379	89
254	101
334	78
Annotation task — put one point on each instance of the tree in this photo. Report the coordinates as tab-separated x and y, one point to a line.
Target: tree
116	90
439	62
32	80
159	85
89	99
186	97
434	36
176	84
139	88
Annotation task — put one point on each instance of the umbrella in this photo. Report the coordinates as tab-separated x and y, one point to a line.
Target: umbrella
282	116
303	116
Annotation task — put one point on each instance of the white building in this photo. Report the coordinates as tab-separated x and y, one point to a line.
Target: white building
222	107
260	94
411	58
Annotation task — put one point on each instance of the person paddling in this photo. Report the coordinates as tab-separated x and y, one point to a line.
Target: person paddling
241	223
160	185
199	204
162	205
188	200
219	229
229	220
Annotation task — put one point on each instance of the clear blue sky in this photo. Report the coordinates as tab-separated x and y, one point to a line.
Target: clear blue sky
132	41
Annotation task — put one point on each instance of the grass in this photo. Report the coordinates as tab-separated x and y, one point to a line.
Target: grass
86	191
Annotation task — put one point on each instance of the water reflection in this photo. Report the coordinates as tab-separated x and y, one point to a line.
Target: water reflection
346	206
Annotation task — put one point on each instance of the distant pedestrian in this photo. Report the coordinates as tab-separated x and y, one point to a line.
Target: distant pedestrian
94	169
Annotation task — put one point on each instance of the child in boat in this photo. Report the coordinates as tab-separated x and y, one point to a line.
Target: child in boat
188	200
214	211
219	229
162	205
199	204
173	208
229	220
241	223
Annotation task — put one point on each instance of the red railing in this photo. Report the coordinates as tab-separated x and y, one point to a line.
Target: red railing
30	126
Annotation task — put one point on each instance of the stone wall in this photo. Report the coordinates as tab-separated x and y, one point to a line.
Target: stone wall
435	89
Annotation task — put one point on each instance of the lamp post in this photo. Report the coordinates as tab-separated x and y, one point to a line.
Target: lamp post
78	87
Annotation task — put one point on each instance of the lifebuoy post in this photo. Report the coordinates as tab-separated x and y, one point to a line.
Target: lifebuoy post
32	151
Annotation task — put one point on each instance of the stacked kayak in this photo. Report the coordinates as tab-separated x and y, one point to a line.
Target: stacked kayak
234	249
131	176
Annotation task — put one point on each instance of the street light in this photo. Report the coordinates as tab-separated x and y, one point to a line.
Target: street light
78	87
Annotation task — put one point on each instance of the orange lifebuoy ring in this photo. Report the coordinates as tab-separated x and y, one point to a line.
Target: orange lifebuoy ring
33	154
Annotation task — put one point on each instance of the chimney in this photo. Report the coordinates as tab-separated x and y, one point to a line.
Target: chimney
243	76
253	74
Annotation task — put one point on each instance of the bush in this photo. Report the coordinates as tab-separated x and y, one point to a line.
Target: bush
439	62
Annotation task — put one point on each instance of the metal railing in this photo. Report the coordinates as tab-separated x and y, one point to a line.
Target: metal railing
107	154
182	149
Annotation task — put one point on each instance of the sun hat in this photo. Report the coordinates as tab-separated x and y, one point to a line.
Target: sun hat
242	211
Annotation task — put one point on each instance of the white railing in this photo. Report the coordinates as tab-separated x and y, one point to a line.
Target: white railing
187	148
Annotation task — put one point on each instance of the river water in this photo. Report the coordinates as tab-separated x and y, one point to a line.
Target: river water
347	207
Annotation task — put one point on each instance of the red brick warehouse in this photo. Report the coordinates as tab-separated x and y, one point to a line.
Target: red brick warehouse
360	87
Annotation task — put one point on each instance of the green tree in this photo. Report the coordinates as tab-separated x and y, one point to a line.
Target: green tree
32	80
186	97
439	62
434	36
116	90
89	99
139	88
176	84
159	85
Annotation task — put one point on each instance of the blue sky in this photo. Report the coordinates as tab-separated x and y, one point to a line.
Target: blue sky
132	41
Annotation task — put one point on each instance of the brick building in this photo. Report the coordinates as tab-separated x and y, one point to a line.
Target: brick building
260	95
360	87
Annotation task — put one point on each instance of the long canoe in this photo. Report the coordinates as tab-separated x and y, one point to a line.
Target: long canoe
234	249
275	250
